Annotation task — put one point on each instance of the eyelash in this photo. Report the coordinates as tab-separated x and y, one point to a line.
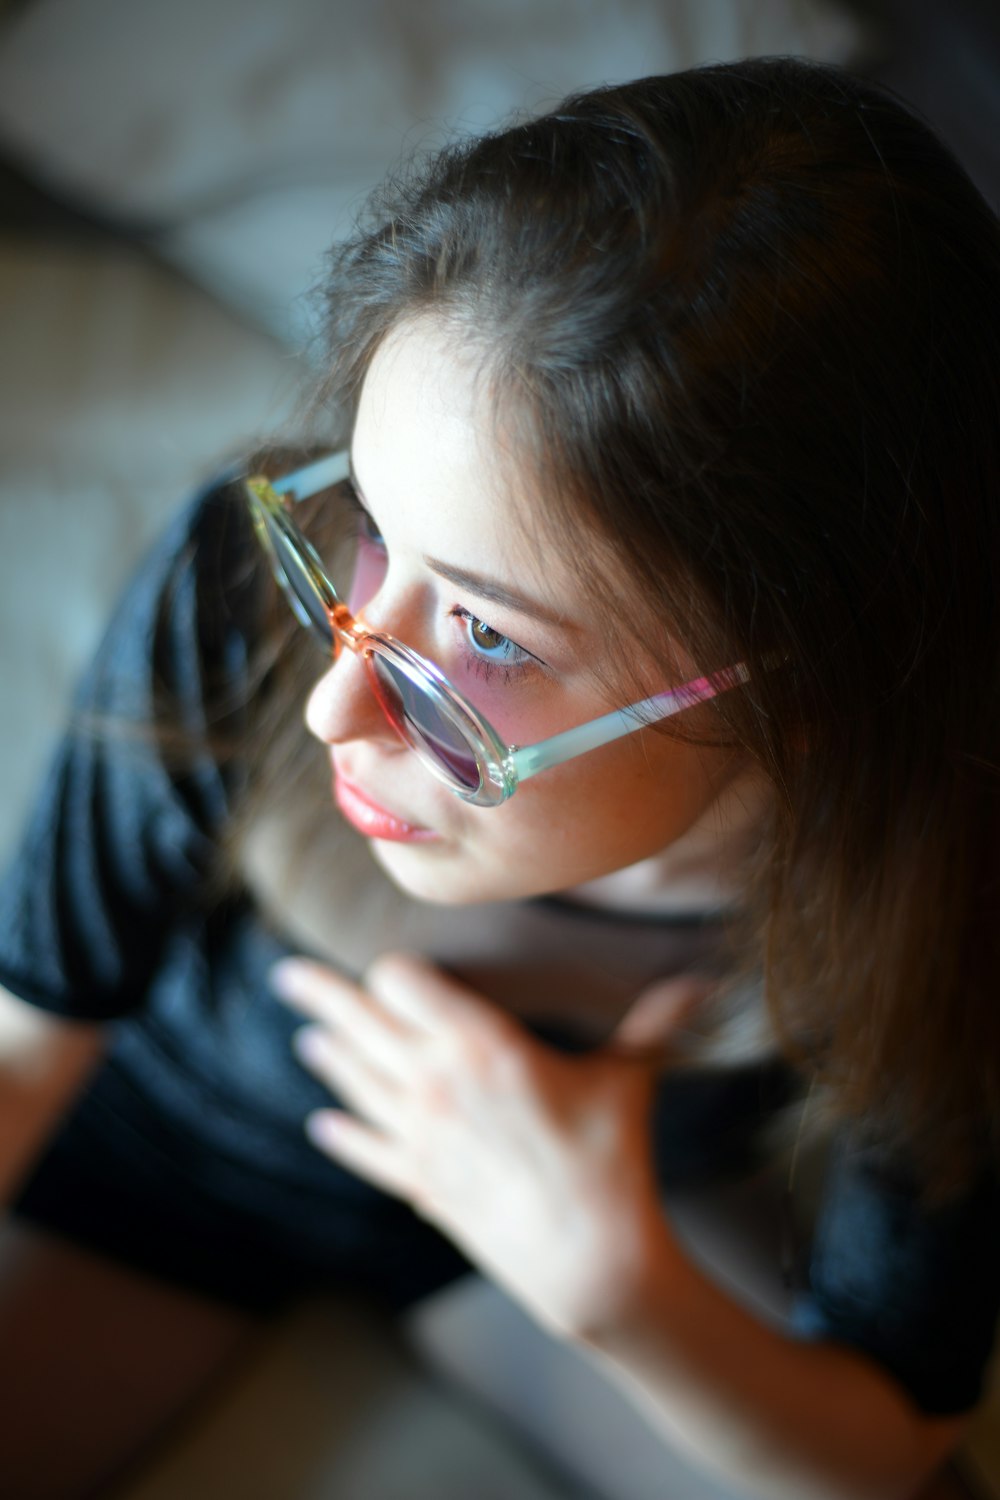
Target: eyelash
483	666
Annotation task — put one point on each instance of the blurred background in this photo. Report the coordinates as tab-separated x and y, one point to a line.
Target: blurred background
170	177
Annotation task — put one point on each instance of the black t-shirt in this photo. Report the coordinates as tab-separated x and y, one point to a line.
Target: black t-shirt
187	1154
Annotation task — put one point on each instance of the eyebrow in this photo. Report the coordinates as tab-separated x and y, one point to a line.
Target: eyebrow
496	593
479	583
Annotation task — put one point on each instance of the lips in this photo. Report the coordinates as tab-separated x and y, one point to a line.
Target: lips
372	819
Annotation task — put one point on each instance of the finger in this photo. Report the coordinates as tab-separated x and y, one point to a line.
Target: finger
656	1020
358	1148
348	1010
423	996
349	1076
313	988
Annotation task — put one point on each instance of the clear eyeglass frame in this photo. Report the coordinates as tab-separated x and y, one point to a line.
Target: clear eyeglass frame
492	770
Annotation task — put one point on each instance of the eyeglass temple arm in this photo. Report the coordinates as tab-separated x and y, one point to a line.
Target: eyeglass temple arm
312	478
528	760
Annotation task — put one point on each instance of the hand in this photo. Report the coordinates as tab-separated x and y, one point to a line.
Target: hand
537	1164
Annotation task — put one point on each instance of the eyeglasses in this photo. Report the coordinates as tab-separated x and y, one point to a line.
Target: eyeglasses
454	741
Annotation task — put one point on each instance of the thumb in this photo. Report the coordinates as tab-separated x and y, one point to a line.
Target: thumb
654	1021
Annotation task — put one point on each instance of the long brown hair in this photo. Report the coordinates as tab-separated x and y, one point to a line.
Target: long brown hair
745	320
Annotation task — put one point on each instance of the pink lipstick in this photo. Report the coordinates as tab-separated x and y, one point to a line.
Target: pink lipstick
373	821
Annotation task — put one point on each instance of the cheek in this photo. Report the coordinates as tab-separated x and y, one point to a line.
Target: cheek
595	815
525	711
576	823
519	715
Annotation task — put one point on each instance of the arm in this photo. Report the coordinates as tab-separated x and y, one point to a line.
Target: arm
44	1062
772	1414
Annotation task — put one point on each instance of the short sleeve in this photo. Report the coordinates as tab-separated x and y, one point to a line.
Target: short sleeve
122	833
916	1288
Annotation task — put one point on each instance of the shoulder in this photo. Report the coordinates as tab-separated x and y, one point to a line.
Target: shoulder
188	616
123	834
913	1281
206	556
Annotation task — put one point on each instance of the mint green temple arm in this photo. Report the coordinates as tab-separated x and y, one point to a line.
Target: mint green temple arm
528	760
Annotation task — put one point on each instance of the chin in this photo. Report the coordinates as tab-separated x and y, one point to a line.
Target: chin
442	876
425	872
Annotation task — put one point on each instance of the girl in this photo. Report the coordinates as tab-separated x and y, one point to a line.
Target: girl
657	592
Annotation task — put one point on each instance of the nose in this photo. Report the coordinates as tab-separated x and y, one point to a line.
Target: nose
343	707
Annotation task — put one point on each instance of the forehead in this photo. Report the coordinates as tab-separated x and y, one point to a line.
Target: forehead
431	455
445	477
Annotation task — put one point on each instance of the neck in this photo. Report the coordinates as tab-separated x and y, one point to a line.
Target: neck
703	871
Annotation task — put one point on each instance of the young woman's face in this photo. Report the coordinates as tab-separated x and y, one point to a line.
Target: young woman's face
491	602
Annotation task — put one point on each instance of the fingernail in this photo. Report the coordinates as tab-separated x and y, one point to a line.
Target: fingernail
323	1127
309	1044
284	978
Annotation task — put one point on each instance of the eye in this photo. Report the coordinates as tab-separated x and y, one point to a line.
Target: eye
368	533
365	559
489	641
487	647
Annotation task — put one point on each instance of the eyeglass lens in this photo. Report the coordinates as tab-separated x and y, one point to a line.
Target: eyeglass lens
312	610
353	559
415	715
